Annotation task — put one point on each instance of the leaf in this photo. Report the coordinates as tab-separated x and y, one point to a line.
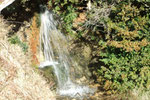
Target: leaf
57	8
105	60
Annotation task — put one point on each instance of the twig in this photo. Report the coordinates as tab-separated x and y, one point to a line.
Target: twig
14	22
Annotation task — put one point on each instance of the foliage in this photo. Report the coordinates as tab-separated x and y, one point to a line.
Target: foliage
125	70
59	5
126	53
16	40
68	18
68	11
131	30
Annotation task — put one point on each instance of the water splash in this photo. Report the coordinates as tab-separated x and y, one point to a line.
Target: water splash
54	47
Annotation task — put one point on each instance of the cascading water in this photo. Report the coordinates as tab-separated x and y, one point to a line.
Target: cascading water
54	47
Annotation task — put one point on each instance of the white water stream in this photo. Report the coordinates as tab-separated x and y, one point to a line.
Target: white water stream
56	55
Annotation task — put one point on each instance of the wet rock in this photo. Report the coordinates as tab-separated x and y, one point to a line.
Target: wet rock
81	54
81	80
87	52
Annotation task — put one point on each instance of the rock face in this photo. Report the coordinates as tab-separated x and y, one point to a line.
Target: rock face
19	81
82	55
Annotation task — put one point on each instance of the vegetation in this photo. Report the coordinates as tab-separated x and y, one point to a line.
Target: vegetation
120	31
34	40
16	40
126	56
19	80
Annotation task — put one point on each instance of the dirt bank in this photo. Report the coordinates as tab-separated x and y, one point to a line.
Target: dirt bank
18	79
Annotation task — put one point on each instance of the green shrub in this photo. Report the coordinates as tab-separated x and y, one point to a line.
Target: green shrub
68	11
126	54
68	18
125	70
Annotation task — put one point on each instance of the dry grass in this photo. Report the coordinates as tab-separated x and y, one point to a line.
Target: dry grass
34	40
139	94
18	81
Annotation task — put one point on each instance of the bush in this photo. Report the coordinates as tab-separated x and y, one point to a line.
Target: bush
126	55
68	10
125	70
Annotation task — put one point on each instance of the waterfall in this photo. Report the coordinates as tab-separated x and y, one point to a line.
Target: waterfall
56	55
